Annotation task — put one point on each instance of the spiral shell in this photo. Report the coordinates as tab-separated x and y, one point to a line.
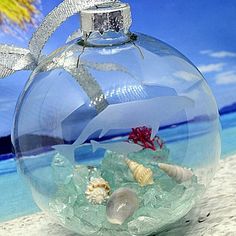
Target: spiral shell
97	191
142	175
178	173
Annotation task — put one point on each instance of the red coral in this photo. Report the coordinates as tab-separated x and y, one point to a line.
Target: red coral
160	142
142	136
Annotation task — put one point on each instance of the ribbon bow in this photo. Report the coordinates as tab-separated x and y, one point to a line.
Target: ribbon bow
14	59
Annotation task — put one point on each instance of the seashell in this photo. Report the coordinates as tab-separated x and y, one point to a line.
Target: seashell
142	175
97	191
121	205
178	173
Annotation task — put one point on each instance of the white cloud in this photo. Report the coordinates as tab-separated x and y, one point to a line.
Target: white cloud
222	54
211	68
205	52
228	77
218	54
186	75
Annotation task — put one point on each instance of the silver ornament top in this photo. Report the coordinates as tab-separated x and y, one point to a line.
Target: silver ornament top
113	16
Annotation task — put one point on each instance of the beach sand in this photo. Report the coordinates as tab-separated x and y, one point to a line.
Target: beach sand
215	214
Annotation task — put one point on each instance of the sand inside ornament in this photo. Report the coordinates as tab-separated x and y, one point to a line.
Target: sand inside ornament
159	204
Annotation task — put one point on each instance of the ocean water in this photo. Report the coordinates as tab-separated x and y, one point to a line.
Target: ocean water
228	135
16	199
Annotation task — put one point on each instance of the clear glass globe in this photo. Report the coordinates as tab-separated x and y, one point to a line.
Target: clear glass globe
117	134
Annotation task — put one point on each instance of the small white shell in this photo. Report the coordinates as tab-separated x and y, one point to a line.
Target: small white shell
121	205
178	173
97	191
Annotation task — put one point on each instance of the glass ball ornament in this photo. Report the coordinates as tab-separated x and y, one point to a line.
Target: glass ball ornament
117	133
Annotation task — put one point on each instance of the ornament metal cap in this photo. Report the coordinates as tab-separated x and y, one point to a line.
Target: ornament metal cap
113	16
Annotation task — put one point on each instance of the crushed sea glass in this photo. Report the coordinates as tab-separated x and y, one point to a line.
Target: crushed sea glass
160	204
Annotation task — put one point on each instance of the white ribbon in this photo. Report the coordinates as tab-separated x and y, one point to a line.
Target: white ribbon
14	59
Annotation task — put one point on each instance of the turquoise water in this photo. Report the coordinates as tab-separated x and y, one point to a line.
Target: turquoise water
228	135
16	199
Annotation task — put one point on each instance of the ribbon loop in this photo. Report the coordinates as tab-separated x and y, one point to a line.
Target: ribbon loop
54	19
14	59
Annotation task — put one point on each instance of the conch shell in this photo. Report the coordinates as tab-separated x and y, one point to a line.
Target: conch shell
97	191
178	173
142	175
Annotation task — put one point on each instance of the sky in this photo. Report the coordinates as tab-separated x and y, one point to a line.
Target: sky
204	31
